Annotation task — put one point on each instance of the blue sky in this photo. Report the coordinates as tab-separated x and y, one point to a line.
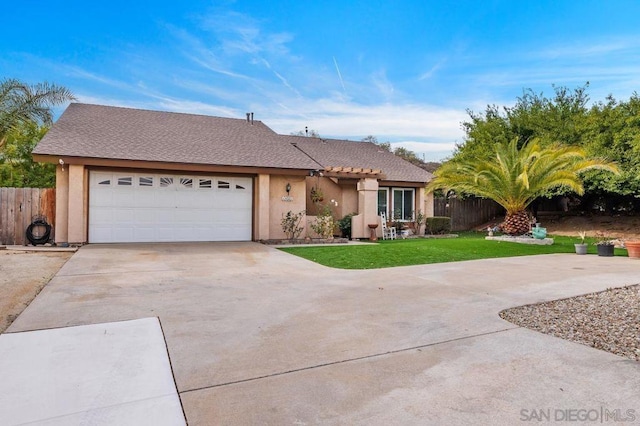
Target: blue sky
404	71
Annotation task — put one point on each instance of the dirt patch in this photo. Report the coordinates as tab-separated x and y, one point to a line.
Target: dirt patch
22	277
623	227
614	227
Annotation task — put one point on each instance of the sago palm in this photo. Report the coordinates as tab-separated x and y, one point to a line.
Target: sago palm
515	177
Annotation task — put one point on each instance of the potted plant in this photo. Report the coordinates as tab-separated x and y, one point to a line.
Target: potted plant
581	247
316	195
633	248
605	246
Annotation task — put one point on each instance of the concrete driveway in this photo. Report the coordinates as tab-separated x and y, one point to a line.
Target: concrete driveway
257	336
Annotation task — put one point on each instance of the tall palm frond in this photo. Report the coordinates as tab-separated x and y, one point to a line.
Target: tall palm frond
20	102
515	177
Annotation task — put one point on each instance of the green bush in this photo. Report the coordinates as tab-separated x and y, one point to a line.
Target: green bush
290	224
345	225
438	225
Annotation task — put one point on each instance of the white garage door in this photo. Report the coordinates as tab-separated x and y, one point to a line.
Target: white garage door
139	207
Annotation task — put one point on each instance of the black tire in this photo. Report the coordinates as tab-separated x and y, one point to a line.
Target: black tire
41	239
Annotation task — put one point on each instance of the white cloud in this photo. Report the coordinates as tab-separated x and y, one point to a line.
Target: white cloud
382	83
588	49
386	121
427	75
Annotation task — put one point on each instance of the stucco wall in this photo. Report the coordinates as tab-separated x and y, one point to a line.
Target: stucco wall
331	191
271	203
62	205
280	203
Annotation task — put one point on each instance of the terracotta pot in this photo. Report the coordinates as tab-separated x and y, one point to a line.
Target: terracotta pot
633	249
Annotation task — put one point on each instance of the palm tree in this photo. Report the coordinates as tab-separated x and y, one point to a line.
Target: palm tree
515	177
20	103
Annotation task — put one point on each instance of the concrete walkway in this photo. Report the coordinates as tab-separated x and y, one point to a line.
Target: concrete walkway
115	373
259	336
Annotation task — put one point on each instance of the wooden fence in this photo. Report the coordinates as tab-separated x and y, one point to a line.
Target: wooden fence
467	213
18	208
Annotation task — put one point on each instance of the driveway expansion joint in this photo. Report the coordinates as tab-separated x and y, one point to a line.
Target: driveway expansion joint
346	361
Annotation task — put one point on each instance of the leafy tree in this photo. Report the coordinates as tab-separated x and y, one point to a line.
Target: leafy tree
514	177
560	119
306	132
608	129
17	168
404	153
21	103
613	130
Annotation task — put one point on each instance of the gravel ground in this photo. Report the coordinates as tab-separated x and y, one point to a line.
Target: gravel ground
608	320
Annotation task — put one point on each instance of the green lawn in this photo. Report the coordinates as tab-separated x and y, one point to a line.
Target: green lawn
419	251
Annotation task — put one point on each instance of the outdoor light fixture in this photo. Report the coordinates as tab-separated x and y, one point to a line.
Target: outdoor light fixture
288	188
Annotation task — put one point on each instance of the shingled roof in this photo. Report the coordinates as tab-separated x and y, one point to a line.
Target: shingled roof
332	153
105	132
115	133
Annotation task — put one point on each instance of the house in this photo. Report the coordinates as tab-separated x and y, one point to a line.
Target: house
129	175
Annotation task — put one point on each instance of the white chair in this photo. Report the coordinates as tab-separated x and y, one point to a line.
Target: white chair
388	232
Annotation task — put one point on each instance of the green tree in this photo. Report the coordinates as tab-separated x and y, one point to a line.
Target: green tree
21	103
613	131
560	119
17	168
514	177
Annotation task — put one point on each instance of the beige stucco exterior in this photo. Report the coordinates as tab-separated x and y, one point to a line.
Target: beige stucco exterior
280	202
270	205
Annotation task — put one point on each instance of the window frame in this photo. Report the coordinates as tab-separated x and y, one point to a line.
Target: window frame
386	197
403	213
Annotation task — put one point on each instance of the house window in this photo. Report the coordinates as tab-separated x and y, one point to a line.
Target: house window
145	181
125	181
403	203
383	201
205	183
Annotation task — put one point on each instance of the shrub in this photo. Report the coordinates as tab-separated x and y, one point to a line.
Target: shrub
438	225
345	225
324	223
290	224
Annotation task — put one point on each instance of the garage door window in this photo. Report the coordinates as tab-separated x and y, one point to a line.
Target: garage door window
125	181
205	184
145	181
165	182
223	185
186	182
106	182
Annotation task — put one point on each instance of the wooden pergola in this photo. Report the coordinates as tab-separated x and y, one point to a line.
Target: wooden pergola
353	172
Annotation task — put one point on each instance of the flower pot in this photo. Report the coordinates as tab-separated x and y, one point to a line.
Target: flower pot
581	248
633	249
539	233
605	250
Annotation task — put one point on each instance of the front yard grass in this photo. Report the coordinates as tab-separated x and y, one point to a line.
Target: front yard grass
420	251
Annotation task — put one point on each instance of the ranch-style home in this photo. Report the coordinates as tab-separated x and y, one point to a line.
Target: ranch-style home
130	175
